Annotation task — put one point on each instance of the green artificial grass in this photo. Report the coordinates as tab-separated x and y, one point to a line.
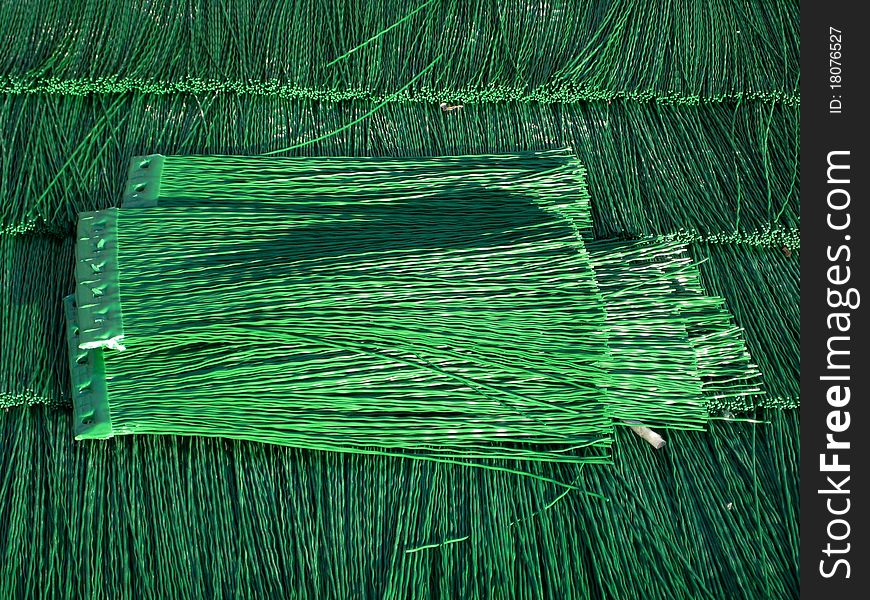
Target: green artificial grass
762	290
713	515
686	116
724	172
673	349
443	305
100	147
678	51
36	272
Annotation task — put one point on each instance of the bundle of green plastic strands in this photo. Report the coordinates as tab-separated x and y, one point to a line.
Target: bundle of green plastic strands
443	306
670	345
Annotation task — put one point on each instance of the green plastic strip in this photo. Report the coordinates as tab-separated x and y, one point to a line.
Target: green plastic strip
88	379
143	181
98	294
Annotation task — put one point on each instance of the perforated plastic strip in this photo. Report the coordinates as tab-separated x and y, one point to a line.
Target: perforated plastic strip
88	379
143	181
98	295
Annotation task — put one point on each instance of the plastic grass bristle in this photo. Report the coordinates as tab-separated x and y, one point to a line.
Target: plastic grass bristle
442	305
237	182
677	53
709	172
49	127
439	305
672	347
35	273
687	118
745	156
761	288
204	518
704	499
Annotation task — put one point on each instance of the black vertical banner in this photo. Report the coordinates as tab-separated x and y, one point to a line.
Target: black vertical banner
835	369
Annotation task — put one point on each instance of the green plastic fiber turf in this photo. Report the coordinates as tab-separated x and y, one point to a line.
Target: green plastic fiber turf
41	127
713	515
36	272
762	291
686	115
351	303
679	51
671	345
32	370
722	171
438	305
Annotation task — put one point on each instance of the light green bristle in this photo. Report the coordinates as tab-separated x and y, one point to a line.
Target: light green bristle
673	349
439	305
760	287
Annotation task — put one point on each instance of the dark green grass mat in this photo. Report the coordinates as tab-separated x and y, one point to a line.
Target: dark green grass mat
724	170
35	273
677	51
713	515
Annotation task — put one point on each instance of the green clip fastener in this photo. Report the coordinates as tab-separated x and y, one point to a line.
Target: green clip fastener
143	181
98	293
88	376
